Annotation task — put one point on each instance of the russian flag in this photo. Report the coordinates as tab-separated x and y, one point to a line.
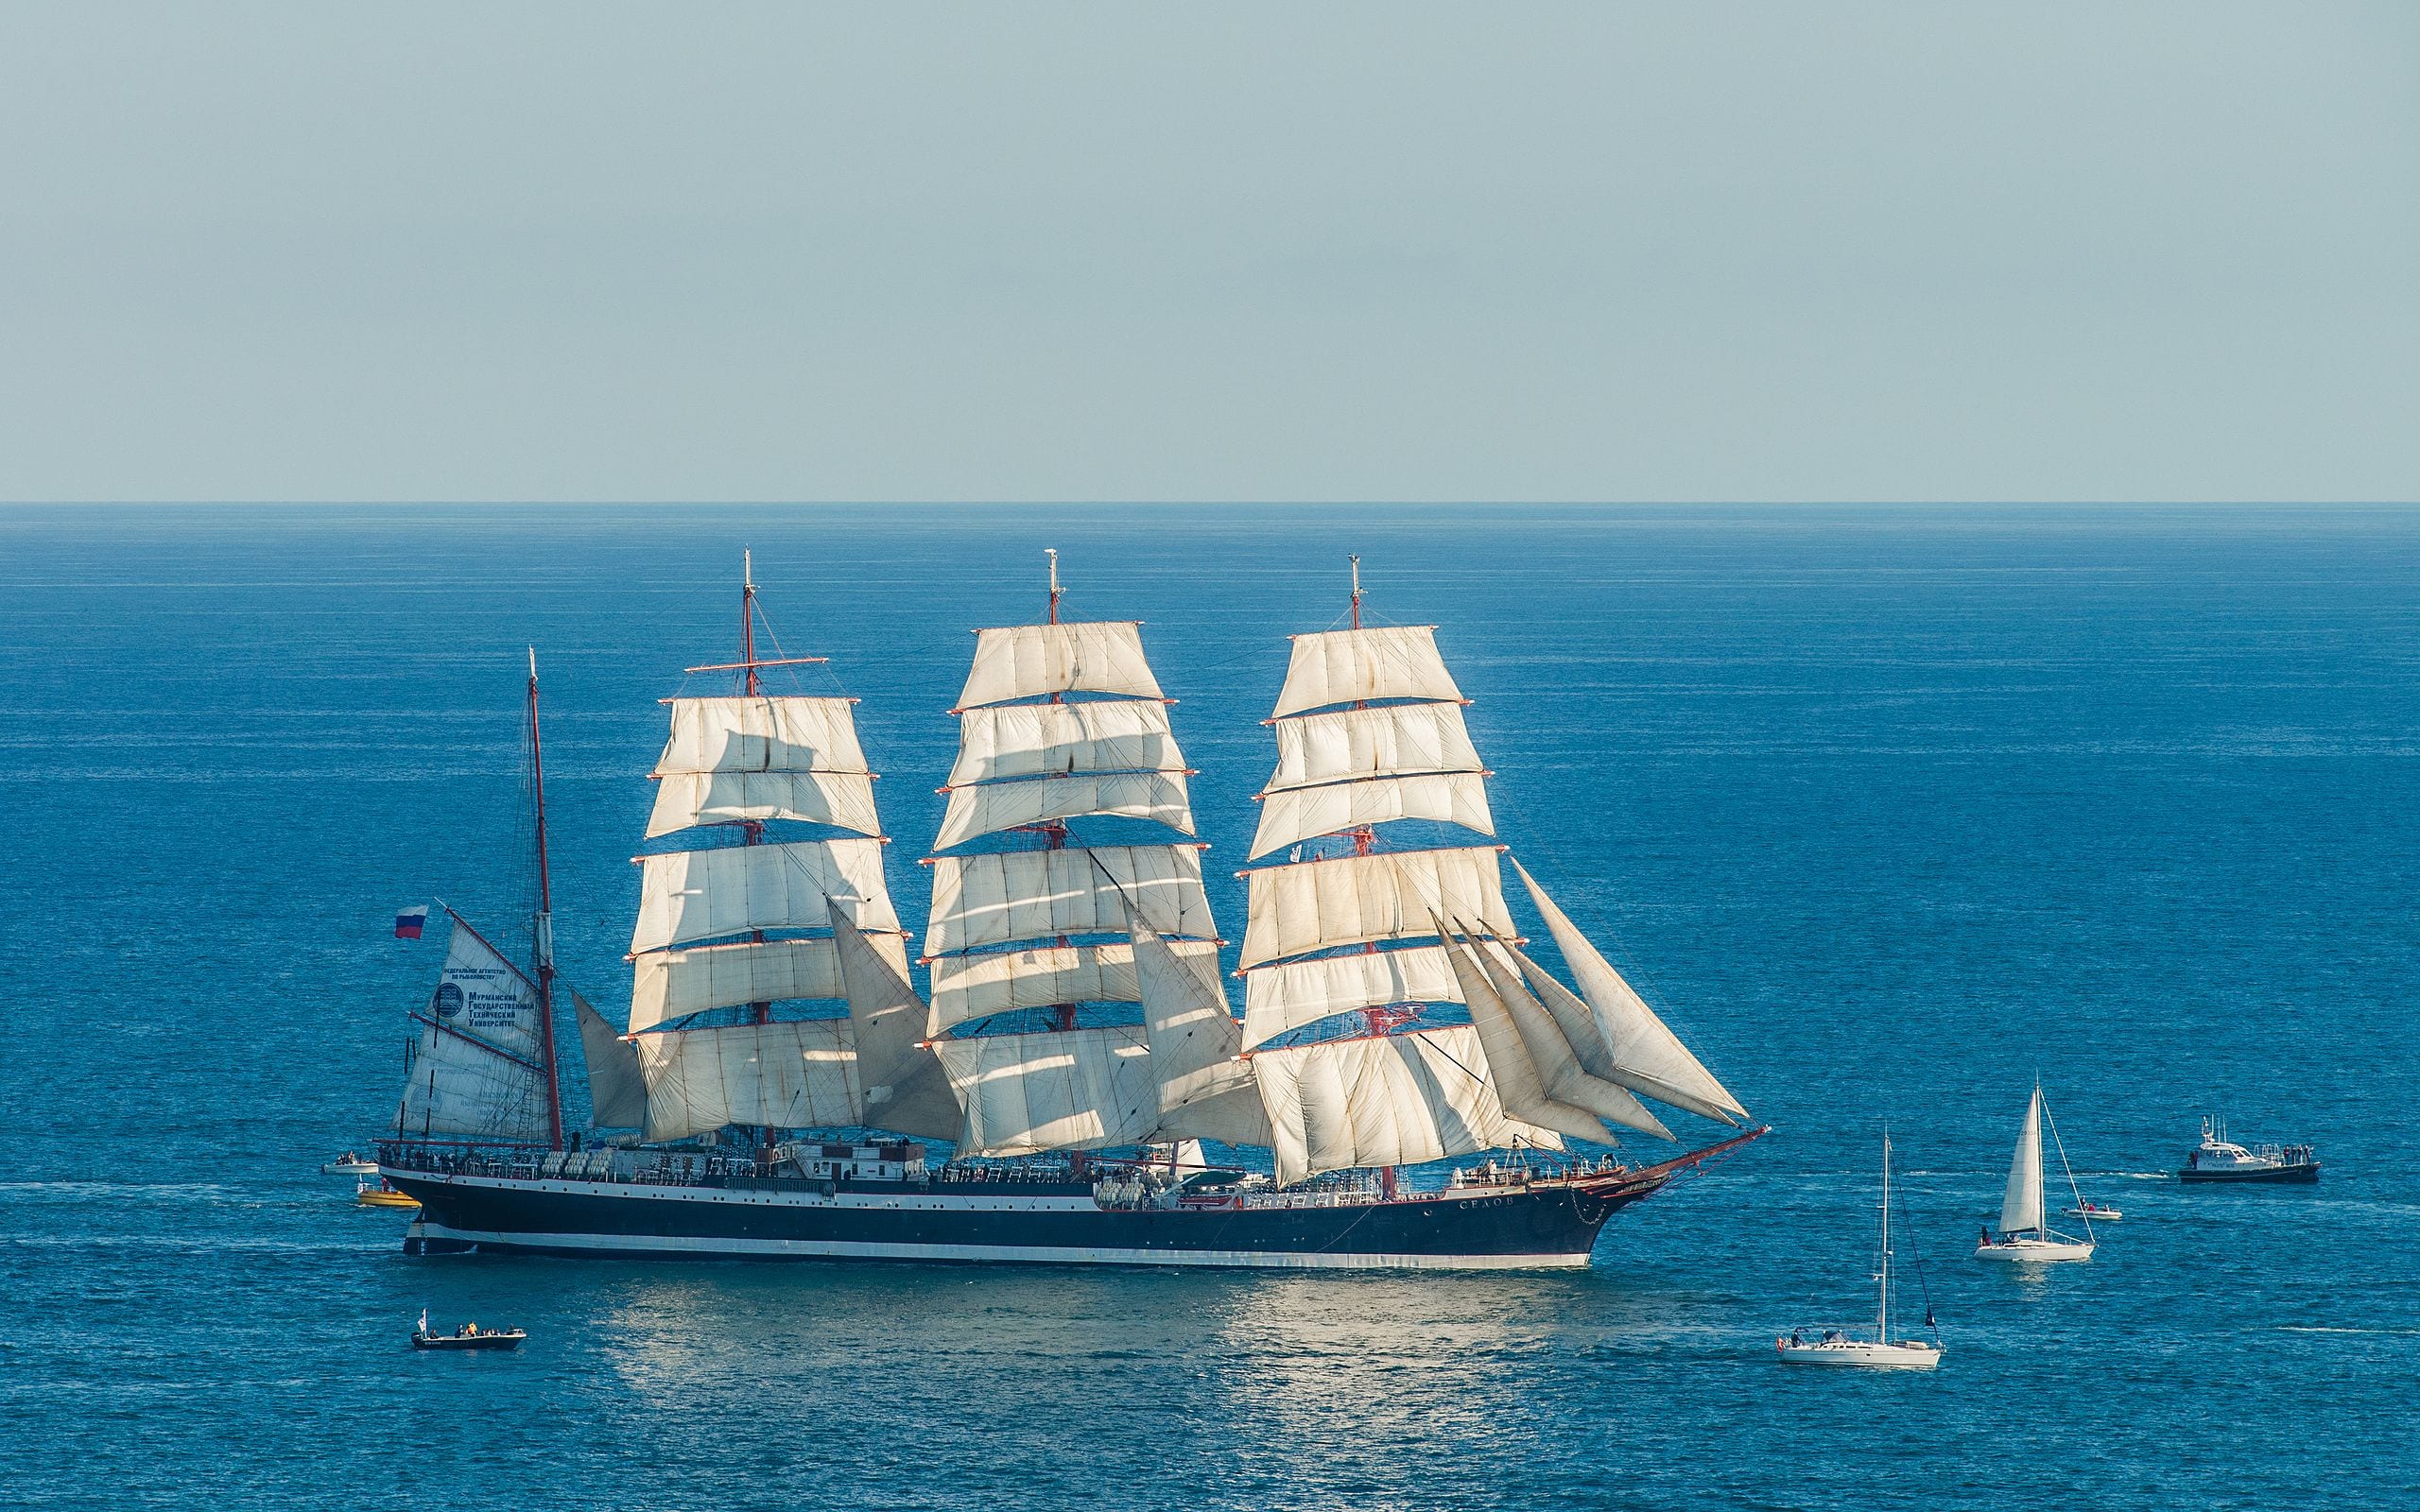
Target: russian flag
411	921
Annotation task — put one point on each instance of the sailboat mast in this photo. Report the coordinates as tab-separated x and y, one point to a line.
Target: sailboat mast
543	932
1054	831
1882	1312
752	831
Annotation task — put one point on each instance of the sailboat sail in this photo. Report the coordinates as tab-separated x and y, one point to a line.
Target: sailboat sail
2021	1207
1647	1055
616	1086
725	927
1055	923
477	1061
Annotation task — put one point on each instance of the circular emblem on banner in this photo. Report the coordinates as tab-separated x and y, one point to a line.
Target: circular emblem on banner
449	1000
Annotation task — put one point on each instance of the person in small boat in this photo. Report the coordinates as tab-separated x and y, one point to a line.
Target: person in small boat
1795	1337
1829	1335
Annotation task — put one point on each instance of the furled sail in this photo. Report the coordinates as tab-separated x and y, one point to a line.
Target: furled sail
2021	1205
673	984
1317	905
901	1082
1640	1042
694	895
477	1073
616	1086
1396	1100
1205	1090
993	900
1060	1089
1032	660
797	1074
1349	666
1278	999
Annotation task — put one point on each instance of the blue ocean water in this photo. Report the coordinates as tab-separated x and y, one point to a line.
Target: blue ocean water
1891	808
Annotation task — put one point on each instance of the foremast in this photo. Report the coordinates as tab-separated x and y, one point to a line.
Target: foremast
1357	934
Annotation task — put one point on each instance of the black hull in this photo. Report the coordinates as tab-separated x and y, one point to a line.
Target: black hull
2283	1176
1547	1223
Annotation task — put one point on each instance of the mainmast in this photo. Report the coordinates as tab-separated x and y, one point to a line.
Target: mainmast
544	927
1054	924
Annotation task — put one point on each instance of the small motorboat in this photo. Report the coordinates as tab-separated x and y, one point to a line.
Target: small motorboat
2217	1160
1842	1346
2093	1210
375	1193
349	1164
469	1336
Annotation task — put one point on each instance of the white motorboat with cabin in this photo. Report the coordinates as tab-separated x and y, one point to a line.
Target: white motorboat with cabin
2217	1158
2024	1235
1842	1346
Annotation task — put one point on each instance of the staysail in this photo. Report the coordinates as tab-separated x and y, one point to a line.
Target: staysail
1647	1055
2021	1205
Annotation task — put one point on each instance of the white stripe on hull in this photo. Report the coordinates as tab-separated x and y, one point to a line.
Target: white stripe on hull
708	1248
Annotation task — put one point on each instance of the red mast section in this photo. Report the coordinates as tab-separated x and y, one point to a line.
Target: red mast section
544	931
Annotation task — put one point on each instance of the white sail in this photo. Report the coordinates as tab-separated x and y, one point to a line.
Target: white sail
674	984
799	1074
1029	660
1398	739
476	1071
989	981
1586	1033
1064	1090
1518	1084
1206	1092
762	734
1548	1034
1354	900
901	1082
1394	1101
1280	998
692	895
994	900
842	800
1351	667
2021	1207
1641	1043
617	1086
991	807
1063	739
1299	814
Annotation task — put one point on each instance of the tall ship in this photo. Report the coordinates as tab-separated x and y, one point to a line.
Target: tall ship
780	1084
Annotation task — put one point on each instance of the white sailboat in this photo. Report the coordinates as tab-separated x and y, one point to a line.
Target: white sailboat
1843	1346
2024	1235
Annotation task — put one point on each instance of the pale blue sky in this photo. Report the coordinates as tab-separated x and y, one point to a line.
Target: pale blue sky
1600	252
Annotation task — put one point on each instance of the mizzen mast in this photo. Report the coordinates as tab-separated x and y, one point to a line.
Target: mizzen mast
542	926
